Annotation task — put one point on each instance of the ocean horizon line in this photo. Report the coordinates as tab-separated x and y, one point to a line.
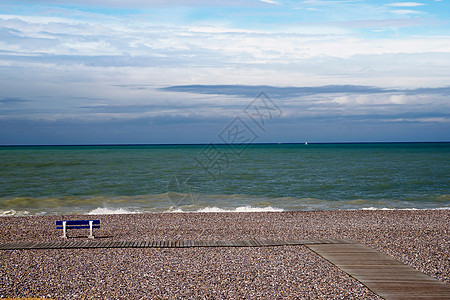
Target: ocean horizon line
222	144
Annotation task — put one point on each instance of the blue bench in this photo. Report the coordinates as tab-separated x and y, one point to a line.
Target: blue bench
78	224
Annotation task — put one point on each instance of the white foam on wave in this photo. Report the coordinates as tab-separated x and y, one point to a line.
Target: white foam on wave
13	213
215	209
110	211
385	208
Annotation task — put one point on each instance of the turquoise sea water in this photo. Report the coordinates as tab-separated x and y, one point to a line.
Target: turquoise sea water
159	178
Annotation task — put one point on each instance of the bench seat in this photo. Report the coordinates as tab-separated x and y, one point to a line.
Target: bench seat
78	224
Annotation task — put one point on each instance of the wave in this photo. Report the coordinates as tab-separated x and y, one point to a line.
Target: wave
111	211
13	213
215	209
201	203
412	208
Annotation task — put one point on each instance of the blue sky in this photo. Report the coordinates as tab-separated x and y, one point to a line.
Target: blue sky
181	71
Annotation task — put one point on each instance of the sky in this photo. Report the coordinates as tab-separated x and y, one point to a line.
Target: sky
150	72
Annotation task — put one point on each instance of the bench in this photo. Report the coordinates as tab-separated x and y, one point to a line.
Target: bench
78	224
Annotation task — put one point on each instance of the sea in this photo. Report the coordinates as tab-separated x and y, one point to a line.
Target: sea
108	179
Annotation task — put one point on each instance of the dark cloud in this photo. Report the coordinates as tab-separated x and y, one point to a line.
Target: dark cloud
13	100
289	92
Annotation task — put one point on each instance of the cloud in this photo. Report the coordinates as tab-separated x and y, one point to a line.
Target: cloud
270	2
200	112
9	100
406	4
141	3
348	102
325	2
387	23
324	110
171	65
406	12
280	92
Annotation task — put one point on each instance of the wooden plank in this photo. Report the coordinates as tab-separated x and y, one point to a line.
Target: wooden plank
247	243
270	243
5	246
257	243
102	244
11	246
382	274
54	245
87	244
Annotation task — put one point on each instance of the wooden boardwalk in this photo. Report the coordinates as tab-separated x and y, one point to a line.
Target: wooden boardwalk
381	273
71	244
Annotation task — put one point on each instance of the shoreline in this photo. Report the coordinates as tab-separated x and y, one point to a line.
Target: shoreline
419	238
102	211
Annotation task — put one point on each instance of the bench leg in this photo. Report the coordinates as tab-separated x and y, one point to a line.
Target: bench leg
91	236
64	236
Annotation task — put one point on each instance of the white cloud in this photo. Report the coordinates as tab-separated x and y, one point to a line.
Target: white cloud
140	3
327	2
144	53
270	2
406	4
406	12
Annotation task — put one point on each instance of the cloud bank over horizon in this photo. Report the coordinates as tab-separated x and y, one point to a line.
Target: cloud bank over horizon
170	71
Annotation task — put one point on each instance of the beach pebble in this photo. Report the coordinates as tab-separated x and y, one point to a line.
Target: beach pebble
418	238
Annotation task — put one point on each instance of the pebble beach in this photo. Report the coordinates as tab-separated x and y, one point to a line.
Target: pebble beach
419	238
